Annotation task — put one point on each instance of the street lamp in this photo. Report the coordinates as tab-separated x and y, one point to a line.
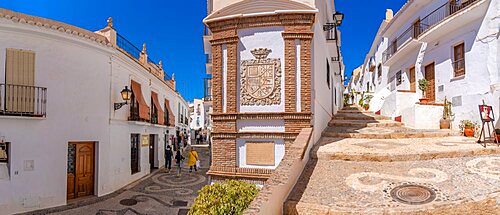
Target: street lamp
126	95
337	18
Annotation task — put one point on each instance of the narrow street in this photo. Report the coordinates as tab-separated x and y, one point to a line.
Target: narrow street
161	193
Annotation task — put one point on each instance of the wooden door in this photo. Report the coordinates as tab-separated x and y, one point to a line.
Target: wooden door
413	87
84	176
459	60
416	28
134	153
152	147
430	77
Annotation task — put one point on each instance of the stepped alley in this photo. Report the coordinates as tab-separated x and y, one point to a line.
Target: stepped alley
368	164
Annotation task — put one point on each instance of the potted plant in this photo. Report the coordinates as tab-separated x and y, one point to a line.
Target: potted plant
422	85
468	127
445	122
366	106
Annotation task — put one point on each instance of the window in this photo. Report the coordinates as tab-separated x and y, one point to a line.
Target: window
4	160
135	145
134	108
198	121
328	73
399	78
154	112
166	116
459	60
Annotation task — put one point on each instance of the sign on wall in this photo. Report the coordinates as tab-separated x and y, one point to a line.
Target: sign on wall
145	140
260	153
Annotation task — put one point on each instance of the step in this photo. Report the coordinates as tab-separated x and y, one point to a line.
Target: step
352	111
383	150
360	117
385	133
365	123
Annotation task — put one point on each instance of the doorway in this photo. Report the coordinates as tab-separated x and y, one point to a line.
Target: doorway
153	149
80	173
430	77
413	87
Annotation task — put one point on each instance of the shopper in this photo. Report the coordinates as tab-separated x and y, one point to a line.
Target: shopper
178	161
168	158
192	159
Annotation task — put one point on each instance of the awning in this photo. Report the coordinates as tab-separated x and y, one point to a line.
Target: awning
158	107
143	107
171	116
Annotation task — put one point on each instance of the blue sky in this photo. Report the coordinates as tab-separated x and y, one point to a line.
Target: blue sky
173	29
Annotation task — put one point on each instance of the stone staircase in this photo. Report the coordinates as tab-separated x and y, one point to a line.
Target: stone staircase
362	156
352	122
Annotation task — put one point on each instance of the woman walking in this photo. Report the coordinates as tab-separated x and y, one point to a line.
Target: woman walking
168	158
178	161
192	159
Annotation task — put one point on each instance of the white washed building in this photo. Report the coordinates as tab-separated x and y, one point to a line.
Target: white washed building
452	44
58	88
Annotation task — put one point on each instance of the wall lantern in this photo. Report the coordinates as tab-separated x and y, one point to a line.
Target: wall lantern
337	18
126	95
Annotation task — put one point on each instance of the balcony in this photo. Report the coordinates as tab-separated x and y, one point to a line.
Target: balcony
208	64
207	36
459	67
402	45
451	16
208	90
22	100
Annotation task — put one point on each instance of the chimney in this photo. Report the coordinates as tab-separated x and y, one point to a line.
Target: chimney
143	58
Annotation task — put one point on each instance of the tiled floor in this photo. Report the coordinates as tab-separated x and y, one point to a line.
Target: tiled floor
162	193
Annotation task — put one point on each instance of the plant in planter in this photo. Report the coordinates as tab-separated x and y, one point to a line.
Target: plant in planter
422	85
497	132
468	128
445	122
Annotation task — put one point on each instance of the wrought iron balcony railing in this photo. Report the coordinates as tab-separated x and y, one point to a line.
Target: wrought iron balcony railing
425	24
22	100
459	67
208	89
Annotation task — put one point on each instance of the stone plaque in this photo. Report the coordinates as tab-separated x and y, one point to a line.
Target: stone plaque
260	153
261	79
145	140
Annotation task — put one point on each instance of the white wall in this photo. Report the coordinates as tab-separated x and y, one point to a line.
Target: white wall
76	74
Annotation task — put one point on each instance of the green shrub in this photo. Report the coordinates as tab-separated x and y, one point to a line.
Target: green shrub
227	197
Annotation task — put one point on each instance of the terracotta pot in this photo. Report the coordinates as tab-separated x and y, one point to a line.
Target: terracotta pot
444	123
366	108
498	137
398	118
424	100
469	132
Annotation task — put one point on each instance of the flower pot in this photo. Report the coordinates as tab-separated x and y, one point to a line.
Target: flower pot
498	137
444	123
424	100
469	132
366	107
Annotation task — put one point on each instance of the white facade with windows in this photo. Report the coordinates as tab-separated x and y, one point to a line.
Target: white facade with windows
58	86
452	44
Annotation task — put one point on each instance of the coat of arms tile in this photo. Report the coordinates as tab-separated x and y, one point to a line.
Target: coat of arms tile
261	79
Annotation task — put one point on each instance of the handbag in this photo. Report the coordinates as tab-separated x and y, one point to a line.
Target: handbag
198	164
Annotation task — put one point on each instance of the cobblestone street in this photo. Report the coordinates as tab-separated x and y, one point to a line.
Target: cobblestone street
162	193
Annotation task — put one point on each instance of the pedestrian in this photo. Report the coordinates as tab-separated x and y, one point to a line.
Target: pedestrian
198	138
192	159
178	161
168	158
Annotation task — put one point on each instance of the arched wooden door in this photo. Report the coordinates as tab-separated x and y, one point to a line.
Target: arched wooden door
81	178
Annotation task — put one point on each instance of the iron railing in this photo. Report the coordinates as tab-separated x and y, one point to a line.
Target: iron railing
459	67
426	23
330	31
22	100
208	89
127	46
411	33
209	58
134	113
442	12
134	51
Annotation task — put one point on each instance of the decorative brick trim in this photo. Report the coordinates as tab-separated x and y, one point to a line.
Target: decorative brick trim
254	135
232	77
430	104
227	40
290	75
261	116
305	74
306	19
297	35
217	78
240	172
